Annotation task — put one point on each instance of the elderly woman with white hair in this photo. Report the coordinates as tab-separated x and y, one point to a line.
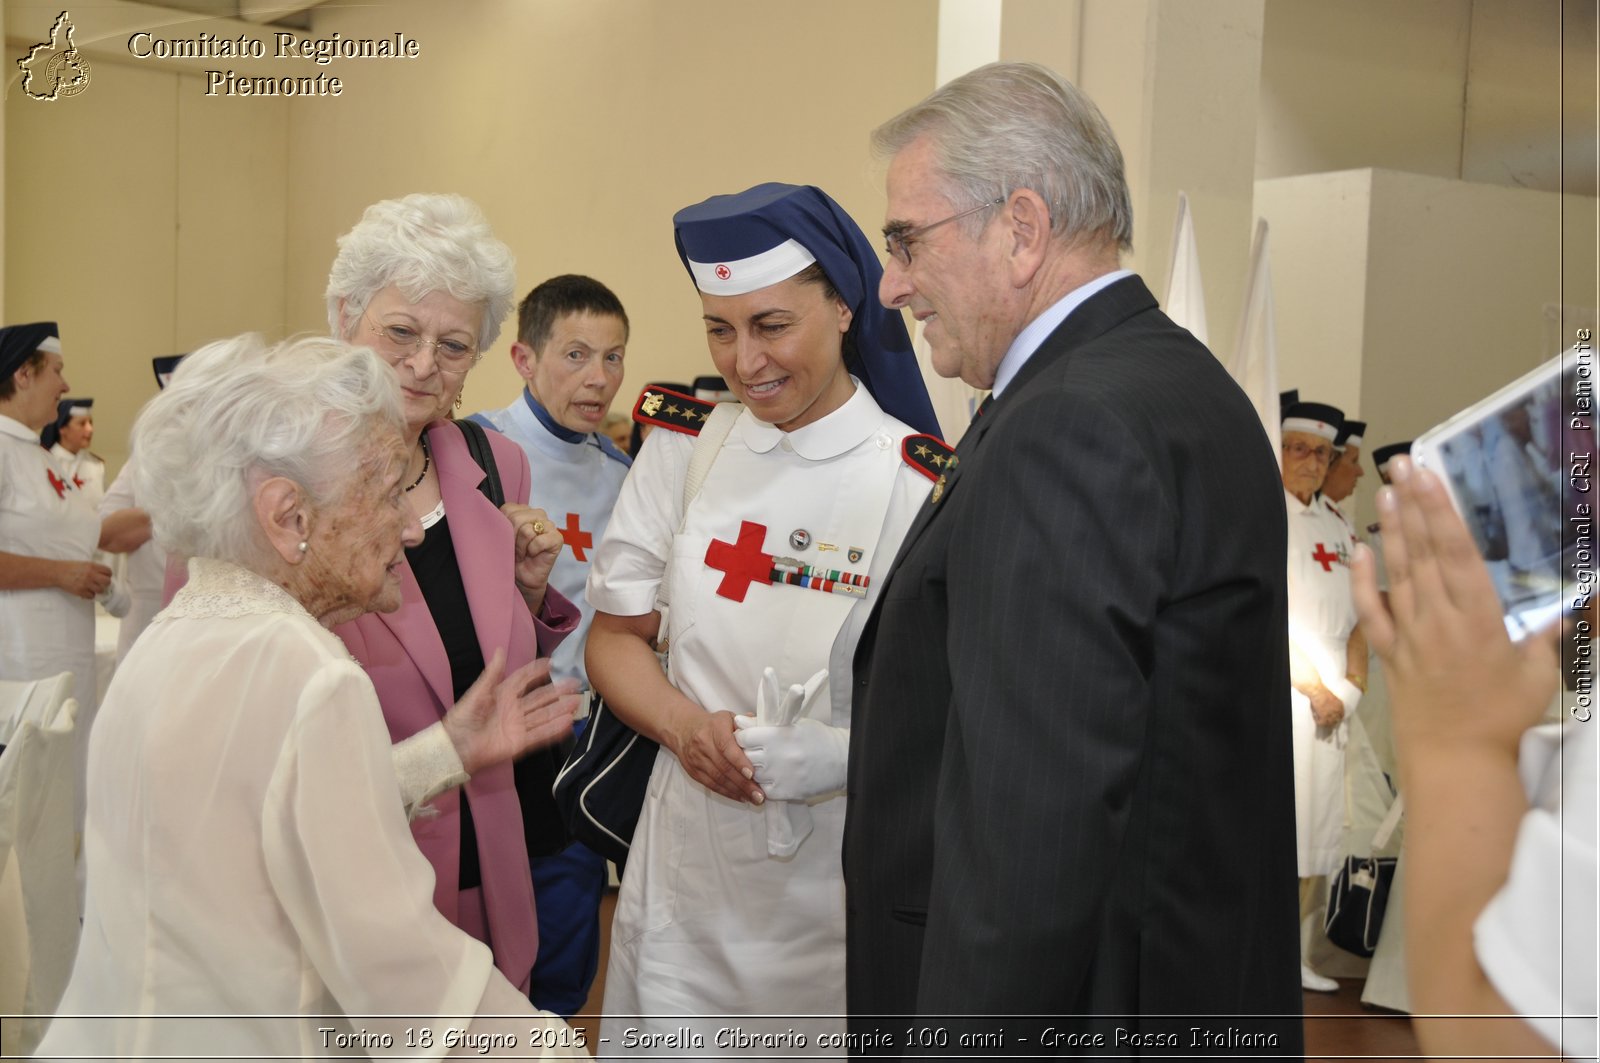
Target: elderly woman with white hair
424	283
247	857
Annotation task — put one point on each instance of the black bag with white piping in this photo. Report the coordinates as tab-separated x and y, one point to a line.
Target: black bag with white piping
600	790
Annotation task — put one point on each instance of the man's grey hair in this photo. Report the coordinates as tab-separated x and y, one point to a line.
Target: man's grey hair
420	244
239	411
1007	126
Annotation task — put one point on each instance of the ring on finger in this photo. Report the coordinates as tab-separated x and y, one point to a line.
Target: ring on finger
539	527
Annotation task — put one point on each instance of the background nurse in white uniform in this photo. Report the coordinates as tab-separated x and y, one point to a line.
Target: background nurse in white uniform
48	534
146	567
68	438
730	908
1327	656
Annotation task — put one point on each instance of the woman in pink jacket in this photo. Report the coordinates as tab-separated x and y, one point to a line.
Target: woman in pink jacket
424	283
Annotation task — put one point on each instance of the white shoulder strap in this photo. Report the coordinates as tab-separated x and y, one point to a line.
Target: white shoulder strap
1385	831
707	445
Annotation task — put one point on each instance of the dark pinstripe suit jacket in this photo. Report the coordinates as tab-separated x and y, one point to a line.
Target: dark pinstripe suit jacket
1070	778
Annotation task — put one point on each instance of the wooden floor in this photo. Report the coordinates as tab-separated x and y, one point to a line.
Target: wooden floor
1338	1025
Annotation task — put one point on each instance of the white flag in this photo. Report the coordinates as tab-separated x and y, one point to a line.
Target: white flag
1254	365
1186	296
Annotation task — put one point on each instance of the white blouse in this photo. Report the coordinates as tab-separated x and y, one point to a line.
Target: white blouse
1536	937
248	856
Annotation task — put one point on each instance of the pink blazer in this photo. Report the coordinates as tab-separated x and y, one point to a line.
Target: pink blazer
405	658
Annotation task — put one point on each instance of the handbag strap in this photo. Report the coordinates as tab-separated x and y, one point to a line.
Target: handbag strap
1391	819
478	446
1386	827
707	445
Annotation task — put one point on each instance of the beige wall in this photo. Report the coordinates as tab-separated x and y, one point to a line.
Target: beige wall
1318	235
1453	88
3	316
595	123
1183	83
1404	298
148	218
144	219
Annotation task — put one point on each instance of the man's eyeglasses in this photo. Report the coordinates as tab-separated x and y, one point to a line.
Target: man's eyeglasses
1300	451
898	243
402	341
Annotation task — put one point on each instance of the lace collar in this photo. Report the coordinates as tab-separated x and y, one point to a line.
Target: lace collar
223	589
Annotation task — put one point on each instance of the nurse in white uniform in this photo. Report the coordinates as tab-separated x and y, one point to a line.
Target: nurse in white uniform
146	567
732	906
48	534
1327	657
68	438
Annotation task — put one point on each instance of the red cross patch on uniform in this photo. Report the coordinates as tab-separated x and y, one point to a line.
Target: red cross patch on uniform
576	538
1327	560
743	562
57	482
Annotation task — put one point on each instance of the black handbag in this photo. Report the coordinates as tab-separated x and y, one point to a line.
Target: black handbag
600	790
543	826
1358	896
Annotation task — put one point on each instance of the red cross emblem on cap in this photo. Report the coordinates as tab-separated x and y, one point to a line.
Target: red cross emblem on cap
723	273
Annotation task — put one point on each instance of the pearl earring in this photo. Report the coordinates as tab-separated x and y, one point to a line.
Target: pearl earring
304	546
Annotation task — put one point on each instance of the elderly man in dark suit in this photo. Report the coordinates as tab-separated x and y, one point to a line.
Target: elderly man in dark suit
1070	786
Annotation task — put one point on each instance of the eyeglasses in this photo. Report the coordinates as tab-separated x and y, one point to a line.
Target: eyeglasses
898	243
1300	451
403	341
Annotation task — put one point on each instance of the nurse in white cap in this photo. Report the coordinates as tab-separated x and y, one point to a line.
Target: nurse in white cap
732	901
48	534
1327	656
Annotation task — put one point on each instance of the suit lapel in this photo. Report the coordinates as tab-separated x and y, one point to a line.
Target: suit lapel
412	627
1101	312
482	538
479	533
964	451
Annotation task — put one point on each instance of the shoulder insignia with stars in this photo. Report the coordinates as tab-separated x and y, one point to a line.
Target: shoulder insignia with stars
670	409
929	455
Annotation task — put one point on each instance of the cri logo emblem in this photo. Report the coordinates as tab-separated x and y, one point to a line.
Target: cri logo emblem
54	69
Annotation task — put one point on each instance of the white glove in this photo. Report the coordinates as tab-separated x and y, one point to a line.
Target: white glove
794	761
788	822
115	599
1348	693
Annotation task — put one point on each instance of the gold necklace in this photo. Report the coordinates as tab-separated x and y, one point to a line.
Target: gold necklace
427	460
